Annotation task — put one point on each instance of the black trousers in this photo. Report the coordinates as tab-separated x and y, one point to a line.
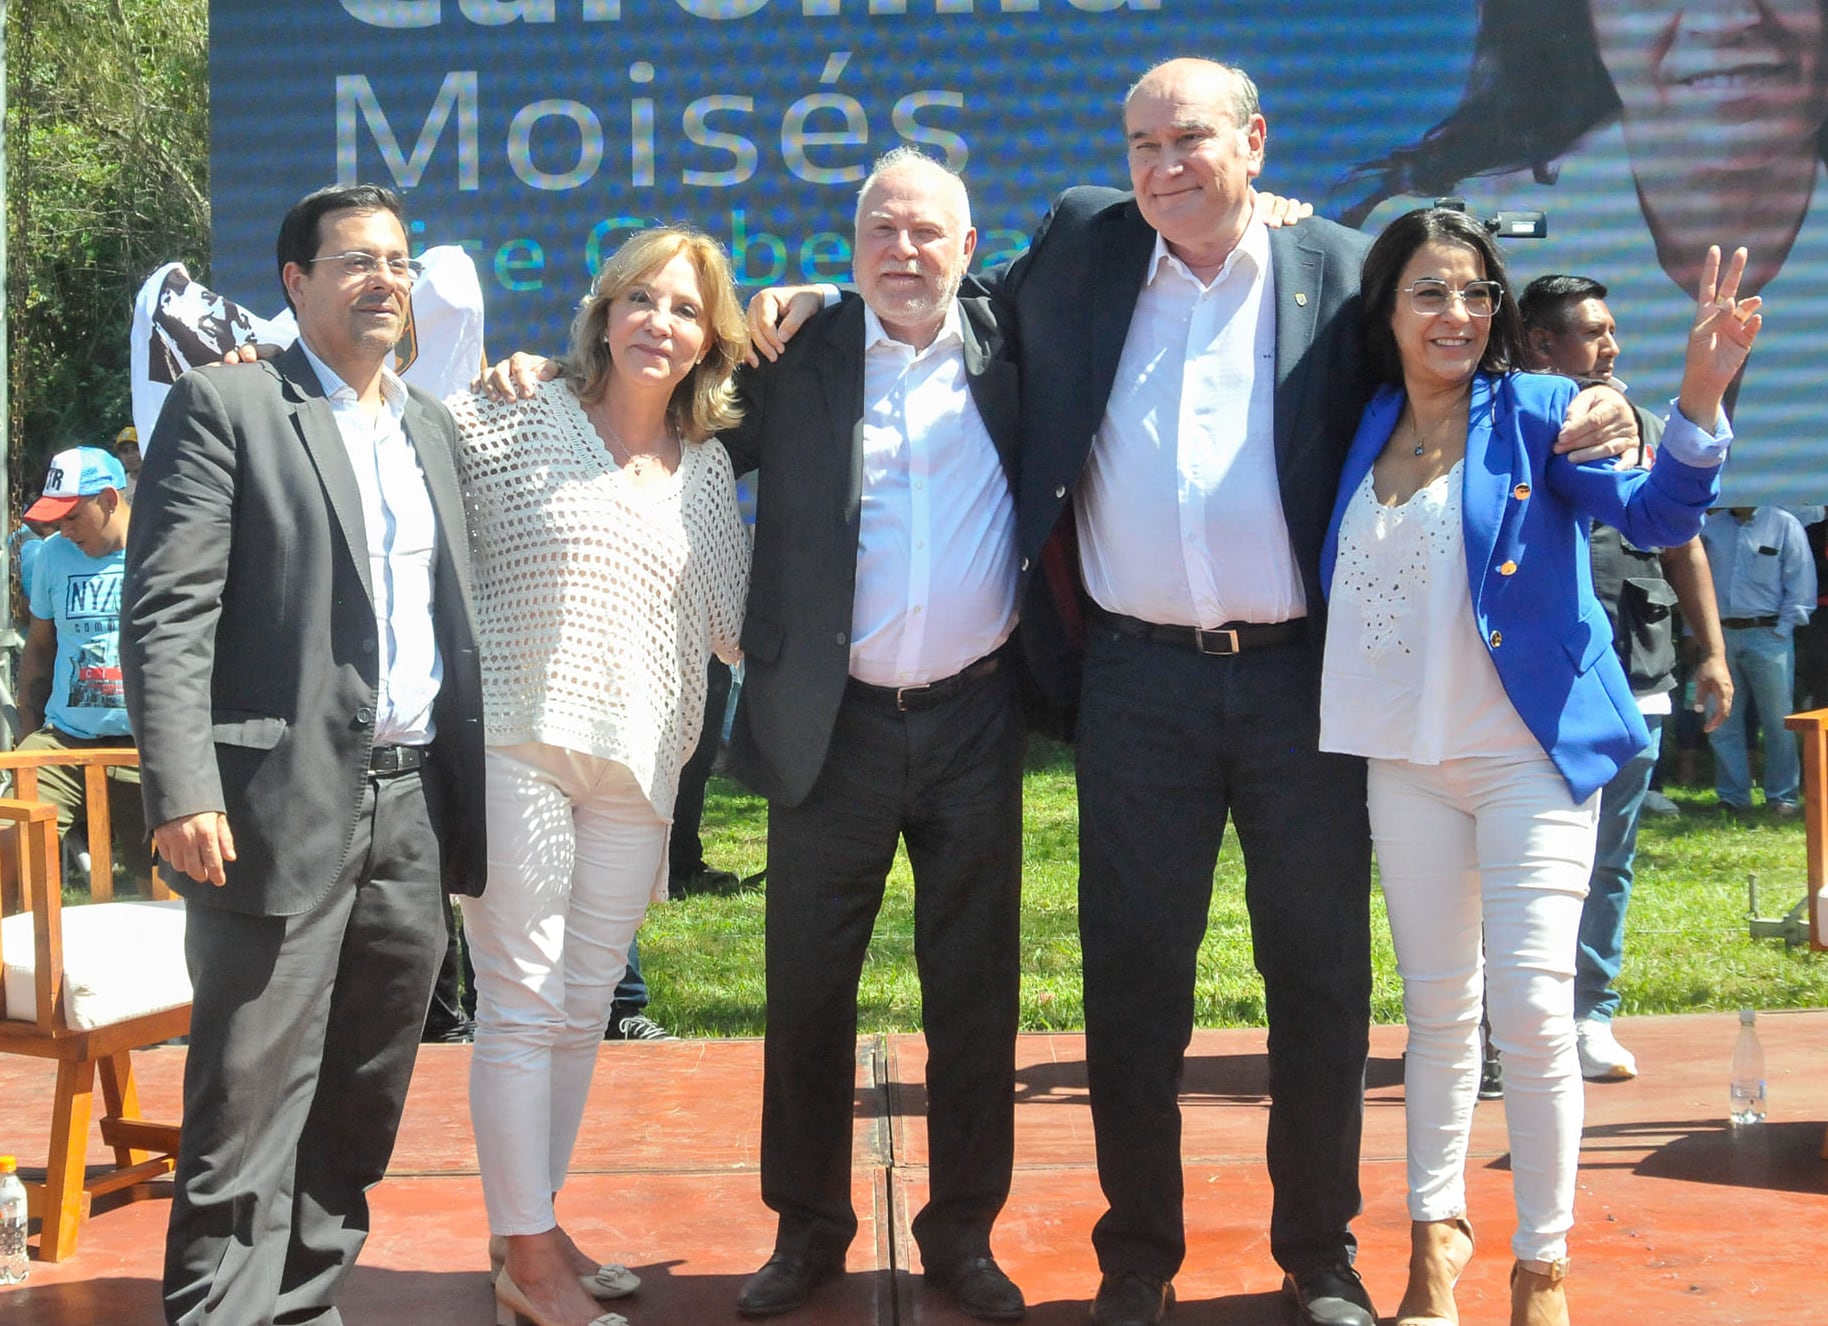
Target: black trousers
302	1039
947	780
1172	743
686	848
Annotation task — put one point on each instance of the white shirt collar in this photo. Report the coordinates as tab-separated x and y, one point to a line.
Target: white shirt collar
875	334
393	389
1252	247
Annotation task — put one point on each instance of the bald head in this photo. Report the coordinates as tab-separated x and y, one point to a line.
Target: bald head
913	244
1195	141
1221	82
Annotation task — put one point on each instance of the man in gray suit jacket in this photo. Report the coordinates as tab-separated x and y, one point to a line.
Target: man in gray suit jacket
301	670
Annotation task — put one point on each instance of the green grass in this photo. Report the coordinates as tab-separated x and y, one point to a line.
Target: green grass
1687	947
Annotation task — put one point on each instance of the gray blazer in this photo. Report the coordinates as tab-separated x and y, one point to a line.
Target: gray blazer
802	425
248	634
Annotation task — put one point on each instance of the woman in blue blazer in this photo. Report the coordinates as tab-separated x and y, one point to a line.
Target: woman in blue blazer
1468	660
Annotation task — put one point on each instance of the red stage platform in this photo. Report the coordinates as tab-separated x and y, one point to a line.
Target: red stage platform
1681	1223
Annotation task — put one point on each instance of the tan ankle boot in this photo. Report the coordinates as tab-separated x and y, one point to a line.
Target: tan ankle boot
1438	1252
1537	1297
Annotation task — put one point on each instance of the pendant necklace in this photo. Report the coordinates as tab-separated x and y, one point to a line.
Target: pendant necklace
1422	443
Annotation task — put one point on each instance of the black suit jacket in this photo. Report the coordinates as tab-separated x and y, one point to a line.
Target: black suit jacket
1071	296
802	428
248	634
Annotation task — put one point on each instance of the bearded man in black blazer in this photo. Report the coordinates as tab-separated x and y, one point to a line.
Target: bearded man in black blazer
301	671
879	704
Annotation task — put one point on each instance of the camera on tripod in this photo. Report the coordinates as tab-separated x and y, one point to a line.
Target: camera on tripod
1505	225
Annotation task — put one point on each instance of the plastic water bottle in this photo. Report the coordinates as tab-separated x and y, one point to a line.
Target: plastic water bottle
1748	1090
13	1263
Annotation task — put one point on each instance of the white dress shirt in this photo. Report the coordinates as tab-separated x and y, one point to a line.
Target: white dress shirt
402	534
936	552
1179	512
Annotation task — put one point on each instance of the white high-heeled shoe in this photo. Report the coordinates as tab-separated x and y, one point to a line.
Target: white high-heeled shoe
609	1281
512	1307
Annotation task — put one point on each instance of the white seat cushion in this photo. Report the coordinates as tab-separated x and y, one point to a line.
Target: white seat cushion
120	959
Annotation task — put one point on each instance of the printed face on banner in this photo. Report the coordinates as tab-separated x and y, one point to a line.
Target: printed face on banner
1732	83
539	134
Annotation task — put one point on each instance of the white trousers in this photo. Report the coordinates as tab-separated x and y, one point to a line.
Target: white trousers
1496	843
575	848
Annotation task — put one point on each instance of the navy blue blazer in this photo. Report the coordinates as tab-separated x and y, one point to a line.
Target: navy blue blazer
1525	515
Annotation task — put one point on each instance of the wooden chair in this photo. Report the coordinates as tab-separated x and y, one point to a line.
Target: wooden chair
1813	728
85	986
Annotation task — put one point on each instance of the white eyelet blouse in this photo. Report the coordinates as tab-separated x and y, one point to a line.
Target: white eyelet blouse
1407	676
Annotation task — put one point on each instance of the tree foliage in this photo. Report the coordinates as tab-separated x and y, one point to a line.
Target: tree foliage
107	140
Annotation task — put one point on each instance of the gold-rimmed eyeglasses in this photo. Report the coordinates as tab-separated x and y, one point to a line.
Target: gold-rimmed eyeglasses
1429	297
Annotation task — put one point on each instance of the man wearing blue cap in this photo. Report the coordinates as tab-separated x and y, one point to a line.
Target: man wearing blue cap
70	695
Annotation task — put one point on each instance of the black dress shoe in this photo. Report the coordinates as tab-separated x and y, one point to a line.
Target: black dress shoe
1330	1296
702	879
980	1289
784	1283
1134	1299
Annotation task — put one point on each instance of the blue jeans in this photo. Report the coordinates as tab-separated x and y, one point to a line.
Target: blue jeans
1763	664
1602	916
631	993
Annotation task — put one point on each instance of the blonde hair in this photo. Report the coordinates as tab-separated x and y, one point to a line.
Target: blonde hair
704	402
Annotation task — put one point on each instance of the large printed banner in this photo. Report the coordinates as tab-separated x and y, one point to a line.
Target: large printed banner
536	133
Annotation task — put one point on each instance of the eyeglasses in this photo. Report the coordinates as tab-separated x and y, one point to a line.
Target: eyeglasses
361	266
1430	297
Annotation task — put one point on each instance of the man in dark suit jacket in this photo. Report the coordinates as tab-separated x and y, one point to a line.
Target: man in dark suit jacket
1182	728
1190	384
878	705
301	670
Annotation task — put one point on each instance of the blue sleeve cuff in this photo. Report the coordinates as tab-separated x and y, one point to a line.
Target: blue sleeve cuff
1693	445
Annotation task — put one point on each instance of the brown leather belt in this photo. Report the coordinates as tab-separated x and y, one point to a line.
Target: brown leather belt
1231	638
907	699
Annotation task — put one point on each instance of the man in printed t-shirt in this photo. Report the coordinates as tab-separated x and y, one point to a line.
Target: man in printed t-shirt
70	695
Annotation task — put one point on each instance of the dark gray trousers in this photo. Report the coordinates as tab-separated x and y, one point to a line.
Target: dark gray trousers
303	1034
1173	744
948	780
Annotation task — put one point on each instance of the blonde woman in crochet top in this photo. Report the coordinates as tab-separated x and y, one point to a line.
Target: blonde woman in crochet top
610	562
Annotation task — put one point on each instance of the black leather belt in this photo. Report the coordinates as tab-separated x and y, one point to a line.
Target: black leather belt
395	759
907	699
1231	638
1747	623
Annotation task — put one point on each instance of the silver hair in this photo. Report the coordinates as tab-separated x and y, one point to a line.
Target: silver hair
908	155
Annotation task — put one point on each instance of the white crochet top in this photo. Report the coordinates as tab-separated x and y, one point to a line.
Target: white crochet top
597	601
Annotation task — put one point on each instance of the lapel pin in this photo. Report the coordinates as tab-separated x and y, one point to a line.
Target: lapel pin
1301	299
